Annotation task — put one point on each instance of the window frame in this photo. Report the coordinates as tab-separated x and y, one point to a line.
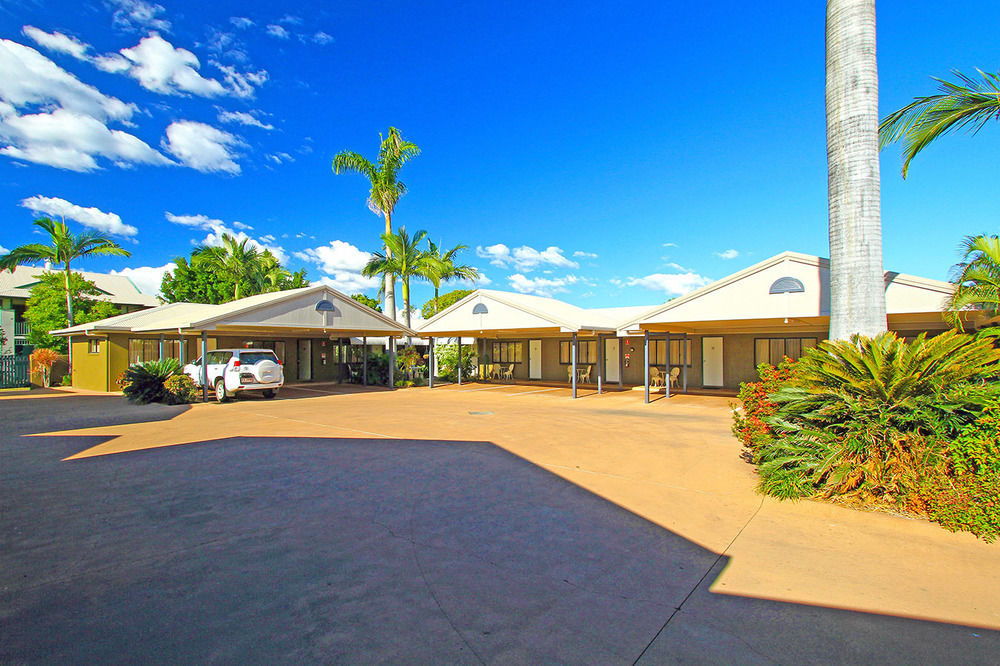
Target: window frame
507	351
94	346
585	355
771	343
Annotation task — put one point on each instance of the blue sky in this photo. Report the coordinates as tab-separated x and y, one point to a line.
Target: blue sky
612	155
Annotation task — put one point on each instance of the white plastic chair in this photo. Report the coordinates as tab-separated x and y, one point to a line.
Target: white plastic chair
508	374
655	377
674	374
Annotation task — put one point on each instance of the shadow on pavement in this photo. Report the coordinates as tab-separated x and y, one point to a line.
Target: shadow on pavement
373	550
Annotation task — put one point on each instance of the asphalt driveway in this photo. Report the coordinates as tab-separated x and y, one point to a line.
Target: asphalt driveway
304	543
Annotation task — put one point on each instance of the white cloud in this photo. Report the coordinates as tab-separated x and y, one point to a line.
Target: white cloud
278	31
541	286
727	254
240	22
68	140
243	118
138	15
158	66
674	284
337	256
29	78
322	38
585	255
670	245
202	146
4	250
350	283
524	258
109	223
217	227
147	278
280	158
290	19
343	262
57	41
242	84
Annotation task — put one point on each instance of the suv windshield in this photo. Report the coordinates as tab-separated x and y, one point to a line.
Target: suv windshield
250	358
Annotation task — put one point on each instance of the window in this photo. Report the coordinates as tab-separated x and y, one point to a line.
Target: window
94	346
277	346
773	350
149	350
219	357
507	352
588	351
658	352
252	357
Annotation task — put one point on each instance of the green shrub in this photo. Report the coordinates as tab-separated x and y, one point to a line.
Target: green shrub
180	390
447	361
145	381
884	422
67	380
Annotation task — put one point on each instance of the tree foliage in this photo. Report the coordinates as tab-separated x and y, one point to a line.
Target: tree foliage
234	270
46	308
965	104
368	300
444	301
402	259
976	278
442	267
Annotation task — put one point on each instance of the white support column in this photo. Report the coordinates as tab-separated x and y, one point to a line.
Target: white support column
684	368
573	352
364	361
430	363
666	379
621	364
163	347
600	362
645	362
204	366
392	362
460	360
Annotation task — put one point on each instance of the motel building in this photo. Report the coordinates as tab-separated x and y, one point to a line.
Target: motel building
313	330
707	341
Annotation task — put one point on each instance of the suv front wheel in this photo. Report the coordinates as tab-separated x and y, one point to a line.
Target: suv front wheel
220	391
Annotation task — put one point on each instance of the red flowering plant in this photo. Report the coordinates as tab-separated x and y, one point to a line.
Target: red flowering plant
749	424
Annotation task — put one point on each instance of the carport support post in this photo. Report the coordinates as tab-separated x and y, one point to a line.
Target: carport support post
684	368
621	364
645	364
163	346
364	361
392	362
430	362
340	360
666	380
573	354
204	366
460	360
600	362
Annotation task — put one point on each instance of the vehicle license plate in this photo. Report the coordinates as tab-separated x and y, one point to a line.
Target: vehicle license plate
246	379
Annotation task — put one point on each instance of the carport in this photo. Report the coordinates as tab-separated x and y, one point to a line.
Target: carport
313	325
537	338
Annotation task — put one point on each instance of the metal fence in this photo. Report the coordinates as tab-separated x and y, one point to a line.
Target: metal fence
14	372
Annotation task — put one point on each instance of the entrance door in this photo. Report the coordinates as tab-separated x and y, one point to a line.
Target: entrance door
611	369
305	360
534	359
711	362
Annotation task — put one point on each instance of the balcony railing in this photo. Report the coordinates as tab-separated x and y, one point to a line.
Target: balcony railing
21	329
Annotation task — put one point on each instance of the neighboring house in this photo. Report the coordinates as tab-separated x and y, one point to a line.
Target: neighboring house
15	288
310	329
712	338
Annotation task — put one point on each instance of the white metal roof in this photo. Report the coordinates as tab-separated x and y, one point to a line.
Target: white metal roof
117	289
509	311
291	309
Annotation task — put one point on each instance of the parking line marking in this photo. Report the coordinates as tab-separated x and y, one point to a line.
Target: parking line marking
536	391
488	388
327	425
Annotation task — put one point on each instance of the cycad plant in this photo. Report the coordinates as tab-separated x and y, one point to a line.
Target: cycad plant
864	419
144	382
976	278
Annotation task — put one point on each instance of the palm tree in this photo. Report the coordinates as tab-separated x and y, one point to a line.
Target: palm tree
273	276
966	104
239	261
443	267
857	288
386	189
403	259
65	248
976	278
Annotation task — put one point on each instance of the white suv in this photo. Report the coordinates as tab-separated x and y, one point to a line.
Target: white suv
232	371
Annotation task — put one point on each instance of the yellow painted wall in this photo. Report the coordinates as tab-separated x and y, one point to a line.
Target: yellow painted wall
90	371
117	359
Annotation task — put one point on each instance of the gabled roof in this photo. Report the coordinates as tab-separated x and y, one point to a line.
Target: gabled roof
118	289
745	294
294	308
508	311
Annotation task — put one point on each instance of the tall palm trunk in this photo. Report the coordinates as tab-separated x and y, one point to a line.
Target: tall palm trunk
390	280
69	318
857	287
